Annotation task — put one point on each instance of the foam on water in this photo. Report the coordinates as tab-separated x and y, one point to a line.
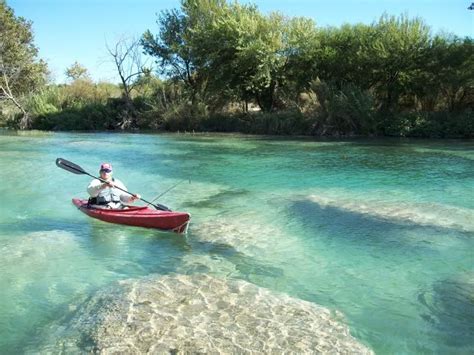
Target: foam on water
201	314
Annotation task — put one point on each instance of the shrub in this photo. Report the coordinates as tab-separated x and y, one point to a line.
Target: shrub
341	111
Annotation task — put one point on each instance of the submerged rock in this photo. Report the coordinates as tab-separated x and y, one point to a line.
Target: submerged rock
450	310
423	214
201	314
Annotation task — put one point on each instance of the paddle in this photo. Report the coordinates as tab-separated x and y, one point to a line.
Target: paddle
76	169
168	190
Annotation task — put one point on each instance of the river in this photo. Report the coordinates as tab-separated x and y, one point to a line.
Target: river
378	232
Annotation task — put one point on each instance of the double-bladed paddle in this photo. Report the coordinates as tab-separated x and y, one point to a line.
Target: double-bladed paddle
76	169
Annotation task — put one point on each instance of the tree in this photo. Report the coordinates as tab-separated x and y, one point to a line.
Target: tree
229	50
130	66
302	50
77	71
449	67
172	50
20	70
234	46
250	56
397	50
344	57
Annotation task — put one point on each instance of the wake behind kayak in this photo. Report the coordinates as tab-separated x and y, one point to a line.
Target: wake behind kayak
138	216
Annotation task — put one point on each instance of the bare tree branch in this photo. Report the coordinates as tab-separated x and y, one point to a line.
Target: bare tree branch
9	75
128	60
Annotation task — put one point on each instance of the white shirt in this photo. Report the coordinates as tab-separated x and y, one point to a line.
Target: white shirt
95	187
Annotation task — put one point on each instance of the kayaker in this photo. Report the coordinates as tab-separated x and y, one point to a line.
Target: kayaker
104	194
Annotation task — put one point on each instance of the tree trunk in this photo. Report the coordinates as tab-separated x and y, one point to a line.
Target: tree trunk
25	119
7	94
265	99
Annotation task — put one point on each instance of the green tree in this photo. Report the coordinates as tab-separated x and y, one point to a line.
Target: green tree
20	70
77	71
172	51
396	53
344	56
248	55
229	50
302	51
225	42
450	68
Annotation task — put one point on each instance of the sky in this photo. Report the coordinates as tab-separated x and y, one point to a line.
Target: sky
67	31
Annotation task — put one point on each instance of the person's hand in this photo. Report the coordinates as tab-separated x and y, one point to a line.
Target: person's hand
136	197
108	184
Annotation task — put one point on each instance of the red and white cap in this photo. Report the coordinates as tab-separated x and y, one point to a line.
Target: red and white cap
106	167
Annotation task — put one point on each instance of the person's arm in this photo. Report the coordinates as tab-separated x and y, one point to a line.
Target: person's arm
124	197
95	187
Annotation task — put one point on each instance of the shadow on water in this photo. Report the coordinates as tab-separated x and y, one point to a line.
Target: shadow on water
106	234
217	200
133	252
100	231
450	310
39	224
339	225
145	250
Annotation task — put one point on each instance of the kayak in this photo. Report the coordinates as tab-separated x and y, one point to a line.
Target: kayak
138	216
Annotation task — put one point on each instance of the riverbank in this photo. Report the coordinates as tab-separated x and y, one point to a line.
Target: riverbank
291	123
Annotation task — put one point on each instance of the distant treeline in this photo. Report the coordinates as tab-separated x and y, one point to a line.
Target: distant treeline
226	67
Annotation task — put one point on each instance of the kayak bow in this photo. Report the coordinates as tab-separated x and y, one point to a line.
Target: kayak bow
138	216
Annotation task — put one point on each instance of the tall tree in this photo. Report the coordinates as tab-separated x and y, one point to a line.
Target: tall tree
397	50
172	50
250	55
20	70
231	49
130	66
244	53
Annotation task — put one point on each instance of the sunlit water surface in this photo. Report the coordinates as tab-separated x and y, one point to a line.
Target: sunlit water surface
380	232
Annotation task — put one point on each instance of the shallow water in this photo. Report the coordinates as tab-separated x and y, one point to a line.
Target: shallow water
198	314
381	231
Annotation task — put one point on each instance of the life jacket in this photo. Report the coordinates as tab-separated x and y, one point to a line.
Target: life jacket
106	196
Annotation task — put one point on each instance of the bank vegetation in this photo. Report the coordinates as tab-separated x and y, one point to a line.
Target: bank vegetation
214	65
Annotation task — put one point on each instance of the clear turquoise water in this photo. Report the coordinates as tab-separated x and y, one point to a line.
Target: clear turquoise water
380	230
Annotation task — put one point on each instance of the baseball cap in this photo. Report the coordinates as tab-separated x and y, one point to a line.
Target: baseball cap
106	167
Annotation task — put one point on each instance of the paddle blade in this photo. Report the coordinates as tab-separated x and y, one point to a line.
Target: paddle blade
69	166
161	207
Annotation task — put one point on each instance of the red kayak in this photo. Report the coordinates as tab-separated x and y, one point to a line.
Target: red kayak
138	216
